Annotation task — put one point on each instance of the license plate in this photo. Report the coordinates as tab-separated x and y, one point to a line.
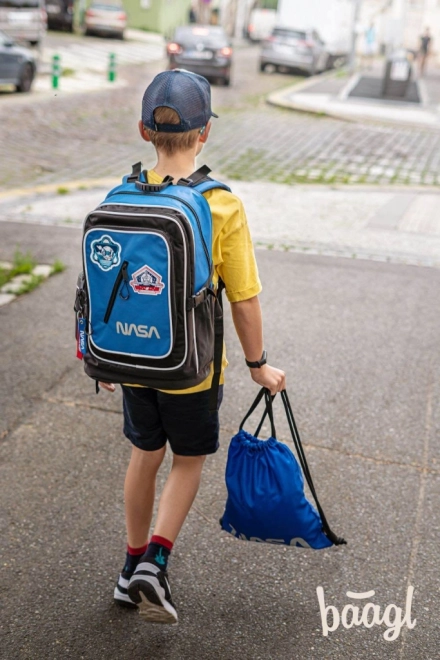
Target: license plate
281	48
199	55
20	17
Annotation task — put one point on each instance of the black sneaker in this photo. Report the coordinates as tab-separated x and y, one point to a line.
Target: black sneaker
121	594
150	591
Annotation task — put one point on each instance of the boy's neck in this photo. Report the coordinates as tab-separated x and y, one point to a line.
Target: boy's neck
179	165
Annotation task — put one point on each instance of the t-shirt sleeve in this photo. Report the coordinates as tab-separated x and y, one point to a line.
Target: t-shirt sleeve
233	251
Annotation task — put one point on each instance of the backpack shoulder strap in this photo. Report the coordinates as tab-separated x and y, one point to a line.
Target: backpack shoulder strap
201	181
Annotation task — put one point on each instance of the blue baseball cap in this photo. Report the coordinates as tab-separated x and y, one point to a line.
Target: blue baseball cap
185	92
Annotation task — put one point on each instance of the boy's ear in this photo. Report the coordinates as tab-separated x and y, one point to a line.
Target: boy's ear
143	133
204	136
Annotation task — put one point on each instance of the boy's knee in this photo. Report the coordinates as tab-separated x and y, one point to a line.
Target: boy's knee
189	461
151	458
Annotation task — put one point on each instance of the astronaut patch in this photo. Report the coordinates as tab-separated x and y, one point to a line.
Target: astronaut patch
147	282
105	253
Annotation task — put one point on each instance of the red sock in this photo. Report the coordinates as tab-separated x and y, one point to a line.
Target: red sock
133	557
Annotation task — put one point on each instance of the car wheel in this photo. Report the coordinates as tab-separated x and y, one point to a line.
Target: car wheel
26	78
269	68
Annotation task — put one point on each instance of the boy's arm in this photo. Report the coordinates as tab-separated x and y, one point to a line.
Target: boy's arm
249	326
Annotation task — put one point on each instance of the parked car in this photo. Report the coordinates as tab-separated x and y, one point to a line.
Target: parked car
23	20
261	23
17	64
105	18
288	48
60	14
203	49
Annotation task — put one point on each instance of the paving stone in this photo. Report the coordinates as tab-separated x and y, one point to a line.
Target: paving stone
6	298
16	284
42	269
103	140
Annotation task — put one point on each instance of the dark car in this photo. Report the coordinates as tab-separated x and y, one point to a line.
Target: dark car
60	14
17	65
203	49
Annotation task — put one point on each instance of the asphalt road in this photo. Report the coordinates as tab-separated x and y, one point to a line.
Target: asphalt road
359	341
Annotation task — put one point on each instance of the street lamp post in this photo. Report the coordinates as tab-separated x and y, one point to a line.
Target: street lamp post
354	27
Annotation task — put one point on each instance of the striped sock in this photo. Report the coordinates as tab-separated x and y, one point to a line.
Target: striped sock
159	549
132	558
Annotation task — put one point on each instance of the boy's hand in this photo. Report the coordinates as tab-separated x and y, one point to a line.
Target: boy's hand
107	386
270	377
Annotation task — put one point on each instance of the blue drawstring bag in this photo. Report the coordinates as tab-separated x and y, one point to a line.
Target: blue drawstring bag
266	500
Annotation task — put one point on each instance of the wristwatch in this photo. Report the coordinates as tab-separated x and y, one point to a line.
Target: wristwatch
259	363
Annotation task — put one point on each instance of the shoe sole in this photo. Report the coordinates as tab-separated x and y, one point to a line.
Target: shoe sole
150	606
121	596
124	601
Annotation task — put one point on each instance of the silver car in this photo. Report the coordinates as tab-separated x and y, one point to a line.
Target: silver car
23	20
17	65
288	48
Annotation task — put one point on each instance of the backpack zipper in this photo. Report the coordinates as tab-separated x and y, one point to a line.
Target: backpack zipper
122	275
179	199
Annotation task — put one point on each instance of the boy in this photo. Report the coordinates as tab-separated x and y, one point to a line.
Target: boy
176	119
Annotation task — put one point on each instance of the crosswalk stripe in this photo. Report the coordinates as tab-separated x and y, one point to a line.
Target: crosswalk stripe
96	56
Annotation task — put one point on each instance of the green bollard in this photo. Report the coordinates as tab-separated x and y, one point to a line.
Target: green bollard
112	68
56	71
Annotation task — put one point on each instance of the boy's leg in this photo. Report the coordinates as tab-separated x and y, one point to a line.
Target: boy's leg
192	433
143	428
178	495
139	492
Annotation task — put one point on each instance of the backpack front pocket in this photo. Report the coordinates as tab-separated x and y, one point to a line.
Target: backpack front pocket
131	277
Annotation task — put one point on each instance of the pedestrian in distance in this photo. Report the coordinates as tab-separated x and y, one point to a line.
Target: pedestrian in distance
192	15
370	45
176	120
424	51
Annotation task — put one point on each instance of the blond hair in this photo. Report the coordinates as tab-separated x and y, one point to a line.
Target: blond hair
171	143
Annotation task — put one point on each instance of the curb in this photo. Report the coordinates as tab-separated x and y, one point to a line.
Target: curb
78	184
82	185
356	112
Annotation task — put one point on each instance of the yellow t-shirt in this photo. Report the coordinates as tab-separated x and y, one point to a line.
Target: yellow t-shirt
232	254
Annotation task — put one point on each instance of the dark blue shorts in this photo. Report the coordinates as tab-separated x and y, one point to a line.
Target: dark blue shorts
152	417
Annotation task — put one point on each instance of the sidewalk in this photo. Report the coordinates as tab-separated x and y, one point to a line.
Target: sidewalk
329	94
394	224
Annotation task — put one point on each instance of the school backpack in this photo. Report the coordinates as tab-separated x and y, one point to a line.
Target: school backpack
146	310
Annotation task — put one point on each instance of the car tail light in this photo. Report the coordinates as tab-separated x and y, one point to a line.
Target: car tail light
174	49
305	44
90	13
225	52
44	16
122	16
251	28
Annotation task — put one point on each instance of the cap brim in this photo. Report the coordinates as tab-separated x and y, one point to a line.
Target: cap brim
213	114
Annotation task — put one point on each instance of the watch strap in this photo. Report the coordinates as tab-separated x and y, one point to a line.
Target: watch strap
259	363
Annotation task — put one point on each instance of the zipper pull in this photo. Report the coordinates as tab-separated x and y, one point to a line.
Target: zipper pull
125	277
